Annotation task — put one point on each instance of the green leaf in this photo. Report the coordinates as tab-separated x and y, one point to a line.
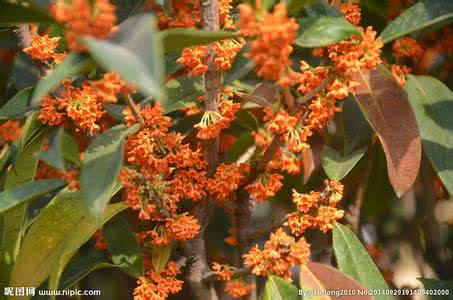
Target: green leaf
432	102
240	67
61	147
321	8
295	6
161	256
81	265
73	64
277	288
12	222
179	38
27	192
246	119
337	165
353	259
115	111
421	15
243	143
183	90
323	31
100	167
438	287
52	239
13	14
357	132
138	44
122	244
17	106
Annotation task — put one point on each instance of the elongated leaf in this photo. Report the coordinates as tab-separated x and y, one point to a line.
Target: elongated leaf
58	231
317	8
421	15
240	68
13	220
139	45
432	102
311	286
439	289
17	106
243	143
100	167
353	259
277	288
61	147
333	280
357	132
179	38
73	64
323	31
12	14
160	257
183	90
387	110
336	165
26	192
122	244
81	265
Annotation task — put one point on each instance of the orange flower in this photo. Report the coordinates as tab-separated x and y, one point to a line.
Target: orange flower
400	72
279	123
265	186
183	227
327	216
407	47
158	286
358	52
237	289
85	111
222	272
9	131
43	47
304	202
213	122
107	88
83	18
227	179
193	60
280	253
351	12
100	242
275	33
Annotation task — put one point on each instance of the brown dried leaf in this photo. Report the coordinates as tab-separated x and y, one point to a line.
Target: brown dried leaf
387	109
333	280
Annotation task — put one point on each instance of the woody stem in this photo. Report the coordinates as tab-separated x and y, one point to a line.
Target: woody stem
195	249
130	102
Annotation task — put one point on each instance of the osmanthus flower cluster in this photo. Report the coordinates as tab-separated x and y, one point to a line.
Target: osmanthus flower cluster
165	171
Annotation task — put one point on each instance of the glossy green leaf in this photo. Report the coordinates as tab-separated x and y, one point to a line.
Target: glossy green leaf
432	102
101	165
353	259
138	44
179	38
81	265
55	235
13	14
440	289
357	132
246	119
277	288
336	165
17	106
419	16
27	192
73	64
122	245
323	31
12	221
62	147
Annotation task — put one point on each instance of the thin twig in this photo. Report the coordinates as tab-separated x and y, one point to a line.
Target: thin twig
138	117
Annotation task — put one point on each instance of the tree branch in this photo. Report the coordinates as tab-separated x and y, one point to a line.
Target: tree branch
237	273
138	117
195	250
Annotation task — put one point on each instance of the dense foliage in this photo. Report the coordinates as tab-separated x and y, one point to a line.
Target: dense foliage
226	149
